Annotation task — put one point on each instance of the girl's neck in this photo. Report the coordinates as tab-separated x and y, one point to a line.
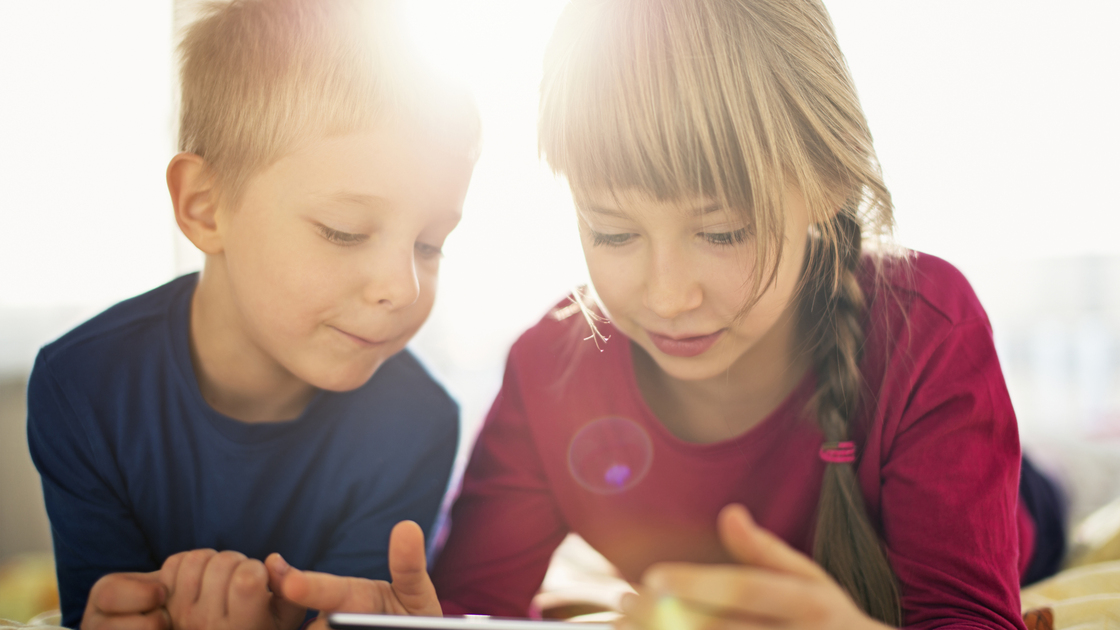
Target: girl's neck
728	405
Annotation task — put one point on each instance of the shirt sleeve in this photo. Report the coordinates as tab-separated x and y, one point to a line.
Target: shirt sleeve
92	526
505	524
950	486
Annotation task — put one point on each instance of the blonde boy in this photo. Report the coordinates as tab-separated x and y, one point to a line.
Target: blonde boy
267	404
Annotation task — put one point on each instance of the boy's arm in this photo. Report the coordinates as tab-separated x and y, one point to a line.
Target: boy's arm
92	526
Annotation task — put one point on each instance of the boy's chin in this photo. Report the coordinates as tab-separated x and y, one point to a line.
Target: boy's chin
342	380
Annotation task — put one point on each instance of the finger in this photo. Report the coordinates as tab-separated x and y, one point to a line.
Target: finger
288	613
127	593
750	544
649	612
277	568
323	591
733	591
409	567
214	591
152	620
170	569
248	599
188	577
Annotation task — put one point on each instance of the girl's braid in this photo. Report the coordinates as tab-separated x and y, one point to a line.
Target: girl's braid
845	544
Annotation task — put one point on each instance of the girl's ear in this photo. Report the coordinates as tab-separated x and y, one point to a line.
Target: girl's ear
195	200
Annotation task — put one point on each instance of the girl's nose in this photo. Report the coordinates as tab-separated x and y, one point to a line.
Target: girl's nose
391	279
671	285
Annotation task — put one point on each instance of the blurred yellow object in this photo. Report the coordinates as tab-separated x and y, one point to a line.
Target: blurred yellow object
1097	538
28	588
1080	598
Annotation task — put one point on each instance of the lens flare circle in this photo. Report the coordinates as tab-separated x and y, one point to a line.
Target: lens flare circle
610	455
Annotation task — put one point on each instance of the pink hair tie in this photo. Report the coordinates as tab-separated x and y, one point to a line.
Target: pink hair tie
838	452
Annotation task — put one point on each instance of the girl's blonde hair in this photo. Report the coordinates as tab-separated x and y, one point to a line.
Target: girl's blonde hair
259	77
737	100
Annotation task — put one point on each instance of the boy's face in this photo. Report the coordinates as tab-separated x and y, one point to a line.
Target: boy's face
332	255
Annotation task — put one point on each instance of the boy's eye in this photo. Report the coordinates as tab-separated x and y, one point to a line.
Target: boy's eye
610	240
726	238
428	252
341	238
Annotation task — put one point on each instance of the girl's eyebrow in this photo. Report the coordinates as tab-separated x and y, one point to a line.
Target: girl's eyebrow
708	209
696	212
607	212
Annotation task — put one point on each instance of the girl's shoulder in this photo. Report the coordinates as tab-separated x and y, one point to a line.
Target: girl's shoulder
574	339
916	283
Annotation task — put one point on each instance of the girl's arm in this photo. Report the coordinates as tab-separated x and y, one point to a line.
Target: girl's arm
949	486
505	524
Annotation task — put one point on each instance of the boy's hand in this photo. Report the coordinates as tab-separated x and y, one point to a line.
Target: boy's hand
411	592
127	601
208	590
775	586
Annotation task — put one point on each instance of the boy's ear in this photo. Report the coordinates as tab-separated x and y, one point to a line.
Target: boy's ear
195	199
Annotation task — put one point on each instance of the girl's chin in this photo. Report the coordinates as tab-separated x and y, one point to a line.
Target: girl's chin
697	368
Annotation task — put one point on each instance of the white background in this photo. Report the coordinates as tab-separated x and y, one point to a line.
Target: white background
995	122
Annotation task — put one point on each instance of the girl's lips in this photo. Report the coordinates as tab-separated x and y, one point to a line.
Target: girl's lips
685	346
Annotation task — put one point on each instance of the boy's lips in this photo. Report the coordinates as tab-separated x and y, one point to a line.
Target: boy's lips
684	346
361	341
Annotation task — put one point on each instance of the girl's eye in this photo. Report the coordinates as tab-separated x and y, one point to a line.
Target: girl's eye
341	238
610	240
725	239
428	252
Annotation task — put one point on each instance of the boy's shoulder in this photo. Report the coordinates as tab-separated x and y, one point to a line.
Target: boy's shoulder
124	330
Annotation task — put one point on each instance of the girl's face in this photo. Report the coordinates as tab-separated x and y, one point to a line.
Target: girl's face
675	277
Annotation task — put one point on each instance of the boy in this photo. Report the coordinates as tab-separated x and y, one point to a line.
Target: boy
268	404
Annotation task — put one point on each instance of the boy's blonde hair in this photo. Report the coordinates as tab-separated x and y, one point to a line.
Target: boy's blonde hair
736	101
259	77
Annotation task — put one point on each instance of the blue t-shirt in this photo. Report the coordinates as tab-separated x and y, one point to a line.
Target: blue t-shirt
136	466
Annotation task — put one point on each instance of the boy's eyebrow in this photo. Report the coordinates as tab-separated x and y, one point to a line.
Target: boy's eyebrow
361	199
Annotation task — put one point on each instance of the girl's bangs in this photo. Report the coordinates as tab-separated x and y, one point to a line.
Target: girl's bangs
627	104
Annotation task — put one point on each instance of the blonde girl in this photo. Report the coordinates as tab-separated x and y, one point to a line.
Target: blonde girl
765	418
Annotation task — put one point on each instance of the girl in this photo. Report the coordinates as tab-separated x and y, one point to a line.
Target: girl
770	419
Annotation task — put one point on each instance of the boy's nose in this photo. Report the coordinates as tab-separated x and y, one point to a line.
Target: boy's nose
671	287
392	280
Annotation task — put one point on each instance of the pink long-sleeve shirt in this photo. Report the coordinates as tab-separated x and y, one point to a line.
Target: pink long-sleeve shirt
570	445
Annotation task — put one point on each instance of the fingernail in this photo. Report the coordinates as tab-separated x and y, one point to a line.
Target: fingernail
282	565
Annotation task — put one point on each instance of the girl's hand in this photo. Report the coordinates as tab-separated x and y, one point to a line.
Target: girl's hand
775	586
210	590
410	593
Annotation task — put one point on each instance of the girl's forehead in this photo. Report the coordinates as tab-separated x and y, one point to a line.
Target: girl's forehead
631	202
